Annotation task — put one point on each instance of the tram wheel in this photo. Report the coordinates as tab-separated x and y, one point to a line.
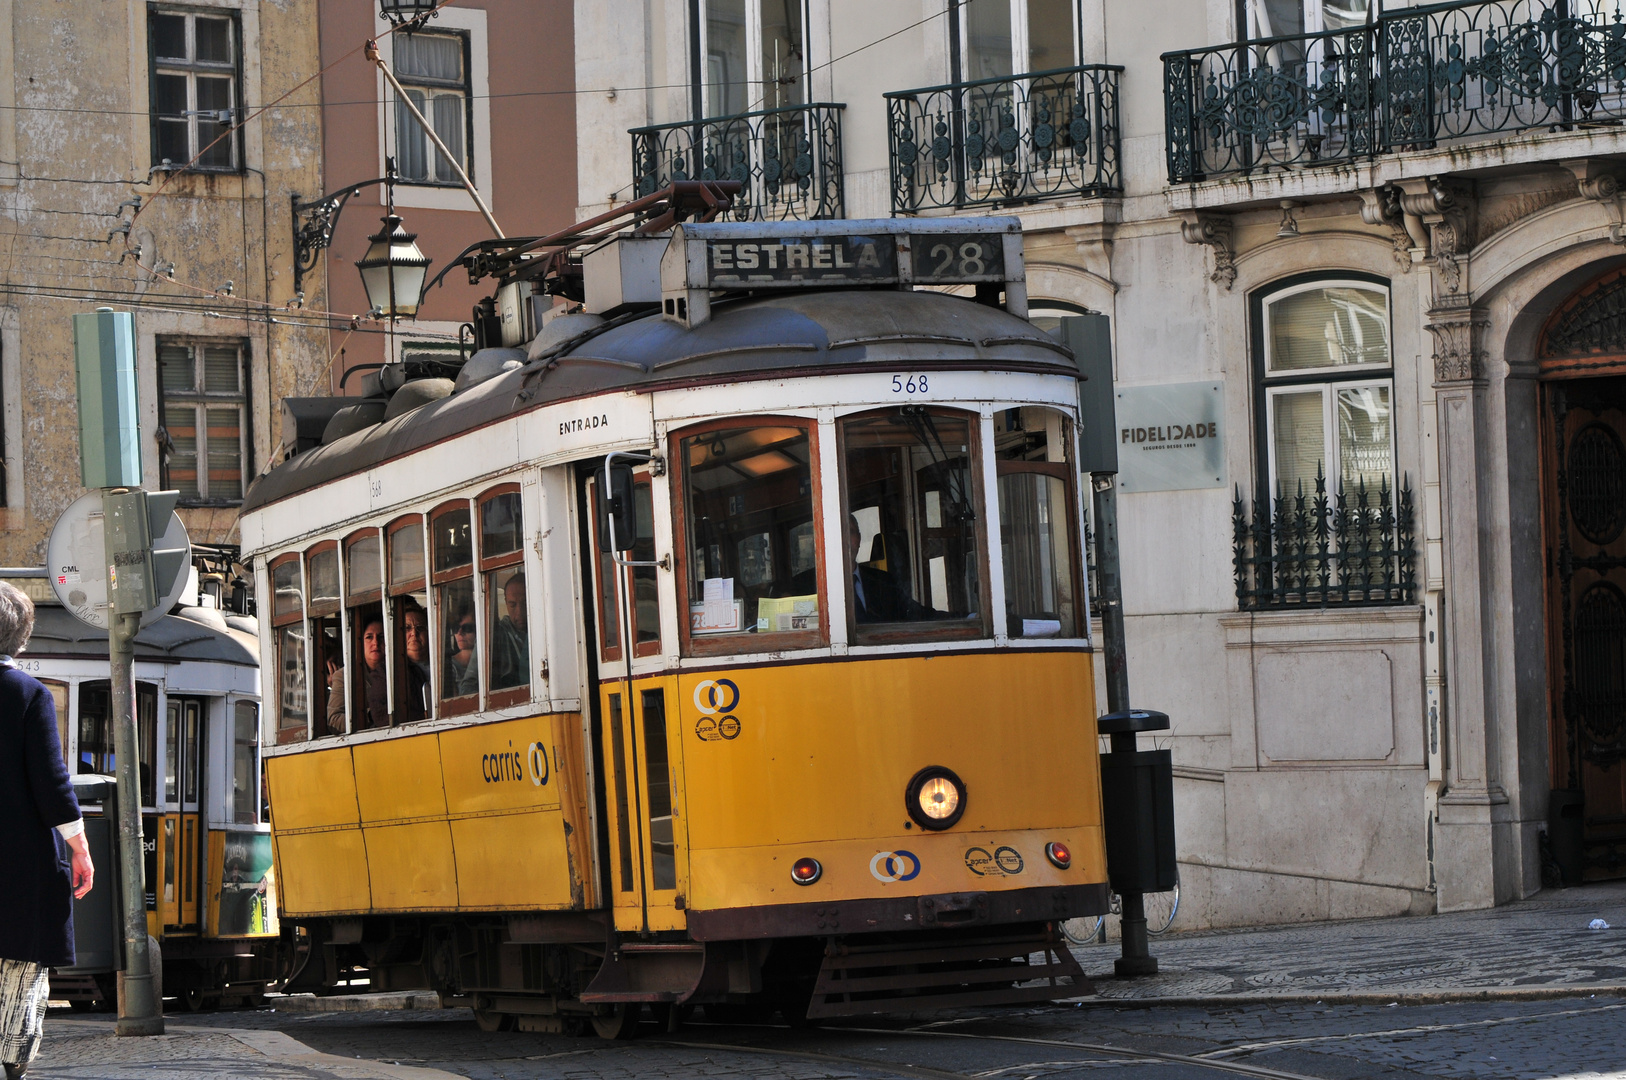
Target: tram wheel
619	1024
487	1020
195	1000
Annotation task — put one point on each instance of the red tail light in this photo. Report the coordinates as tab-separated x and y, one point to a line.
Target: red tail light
1059	855
806	871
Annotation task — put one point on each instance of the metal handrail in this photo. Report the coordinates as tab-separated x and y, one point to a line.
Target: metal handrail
729	117
969	84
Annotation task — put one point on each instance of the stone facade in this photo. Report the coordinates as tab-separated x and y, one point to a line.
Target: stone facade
1383	759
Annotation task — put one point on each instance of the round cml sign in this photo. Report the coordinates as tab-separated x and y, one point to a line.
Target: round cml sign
76	559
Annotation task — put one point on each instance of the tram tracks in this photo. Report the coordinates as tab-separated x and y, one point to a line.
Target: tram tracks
1107	1055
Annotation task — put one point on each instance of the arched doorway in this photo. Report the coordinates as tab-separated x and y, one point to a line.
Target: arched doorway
1582	363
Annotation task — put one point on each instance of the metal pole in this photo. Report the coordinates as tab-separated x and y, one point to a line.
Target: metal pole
143	1011
1136	959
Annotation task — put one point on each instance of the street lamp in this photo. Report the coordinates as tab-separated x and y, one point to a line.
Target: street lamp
393	270
407	12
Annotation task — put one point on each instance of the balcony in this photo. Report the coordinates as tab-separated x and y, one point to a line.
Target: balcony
1007	141
788	161
1313	550
1418	78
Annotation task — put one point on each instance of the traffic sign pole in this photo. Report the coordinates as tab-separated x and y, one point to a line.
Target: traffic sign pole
141	1011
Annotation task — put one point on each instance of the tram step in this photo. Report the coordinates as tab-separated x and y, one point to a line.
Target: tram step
864	979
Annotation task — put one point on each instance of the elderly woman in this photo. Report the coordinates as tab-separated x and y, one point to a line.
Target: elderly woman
43	854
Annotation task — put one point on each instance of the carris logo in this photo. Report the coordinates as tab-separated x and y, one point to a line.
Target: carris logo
890	866
512	765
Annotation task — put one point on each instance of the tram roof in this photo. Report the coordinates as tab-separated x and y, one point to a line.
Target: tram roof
170	639
797	334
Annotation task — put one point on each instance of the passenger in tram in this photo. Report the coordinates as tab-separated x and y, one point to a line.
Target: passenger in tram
415	636
372	694
876	595
510	647
462	663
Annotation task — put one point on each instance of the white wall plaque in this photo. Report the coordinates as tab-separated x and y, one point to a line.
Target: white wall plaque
1170	438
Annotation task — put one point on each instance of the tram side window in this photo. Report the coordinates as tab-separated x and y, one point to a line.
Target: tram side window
245	763
409	604
752	536
96	732
369	678
454	603
288	636
326	637
913	541
1037	533
501	530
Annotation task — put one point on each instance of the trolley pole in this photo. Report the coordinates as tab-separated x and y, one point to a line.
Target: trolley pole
142	1012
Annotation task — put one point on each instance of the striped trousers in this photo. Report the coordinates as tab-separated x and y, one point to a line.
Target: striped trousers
24	988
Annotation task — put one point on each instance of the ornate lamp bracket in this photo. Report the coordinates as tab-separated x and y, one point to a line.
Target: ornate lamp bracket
315	220
1215	232
1600	182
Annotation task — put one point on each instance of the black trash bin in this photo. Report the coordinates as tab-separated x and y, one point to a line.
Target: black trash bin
1566	820
1137	799
98	936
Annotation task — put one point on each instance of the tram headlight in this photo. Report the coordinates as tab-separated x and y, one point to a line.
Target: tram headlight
1058	854
935	798
806	871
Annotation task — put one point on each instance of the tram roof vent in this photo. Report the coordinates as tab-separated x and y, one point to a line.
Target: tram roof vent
904	253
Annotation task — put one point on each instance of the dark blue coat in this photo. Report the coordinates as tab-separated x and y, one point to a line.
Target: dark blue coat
36	874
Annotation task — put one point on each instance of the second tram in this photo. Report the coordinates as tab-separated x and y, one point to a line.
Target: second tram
728	647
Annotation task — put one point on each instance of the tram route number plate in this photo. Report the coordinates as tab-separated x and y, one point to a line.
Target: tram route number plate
953	257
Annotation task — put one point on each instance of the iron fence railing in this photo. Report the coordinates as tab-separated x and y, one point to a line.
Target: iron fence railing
788	160
1412	79
1348	549
1021	138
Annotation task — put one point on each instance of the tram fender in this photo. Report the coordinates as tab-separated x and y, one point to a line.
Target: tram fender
648	972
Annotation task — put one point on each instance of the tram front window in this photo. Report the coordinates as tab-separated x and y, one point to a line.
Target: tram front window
1036	523
453	570
96	732
914	564
752	543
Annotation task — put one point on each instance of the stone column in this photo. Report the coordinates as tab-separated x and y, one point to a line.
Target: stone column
1473	801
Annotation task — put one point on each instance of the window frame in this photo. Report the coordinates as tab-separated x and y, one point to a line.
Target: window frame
1067	471
278	621
424	82
700	85
467	703
513	695
316	673
355	602
643	475
950	631
740	643
393	591
1021	44
201	401
1327	380
191	68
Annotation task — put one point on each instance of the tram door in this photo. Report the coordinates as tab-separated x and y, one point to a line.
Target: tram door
182	833
638	744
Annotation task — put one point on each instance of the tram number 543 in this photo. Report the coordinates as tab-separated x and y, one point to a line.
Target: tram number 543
909	384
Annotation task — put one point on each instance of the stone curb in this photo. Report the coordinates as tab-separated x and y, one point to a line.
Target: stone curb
1444	995
309	1003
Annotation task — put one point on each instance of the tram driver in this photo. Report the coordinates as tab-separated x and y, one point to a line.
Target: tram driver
876	595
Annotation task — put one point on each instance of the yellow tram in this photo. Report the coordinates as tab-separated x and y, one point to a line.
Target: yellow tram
726	644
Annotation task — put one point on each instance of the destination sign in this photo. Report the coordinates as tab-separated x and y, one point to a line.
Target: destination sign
956	257
832	260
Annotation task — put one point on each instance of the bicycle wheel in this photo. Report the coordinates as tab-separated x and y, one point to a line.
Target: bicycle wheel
1161	908
1085	930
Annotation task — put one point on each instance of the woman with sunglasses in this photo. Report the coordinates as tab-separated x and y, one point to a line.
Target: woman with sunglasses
462	667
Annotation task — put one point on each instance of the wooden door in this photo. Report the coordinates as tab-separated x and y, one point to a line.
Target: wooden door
1586	529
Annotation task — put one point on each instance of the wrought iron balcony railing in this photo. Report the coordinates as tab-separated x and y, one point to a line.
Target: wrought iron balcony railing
789	160
1413	79
1351	549
1038	135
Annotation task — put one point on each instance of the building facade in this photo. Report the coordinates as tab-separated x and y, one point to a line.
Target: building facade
1362	270
494	78
148	153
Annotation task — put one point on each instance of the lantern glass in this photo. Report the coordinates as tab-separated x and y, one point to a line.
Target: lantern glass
394	258
401	12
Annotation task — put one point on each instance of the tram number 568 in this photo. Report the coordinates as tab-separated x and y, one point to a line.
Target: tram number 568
909	384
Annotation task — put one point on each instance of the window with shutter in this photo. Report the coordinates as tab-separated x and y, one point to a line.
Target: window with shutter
203	391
